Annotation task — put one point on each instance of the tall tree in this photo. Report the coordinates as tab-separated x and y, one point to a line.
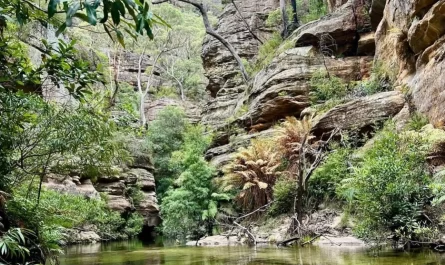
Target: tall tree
285	31
295	21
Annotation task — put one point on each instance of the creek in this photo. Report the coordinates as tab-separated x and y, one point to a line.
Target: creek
137	253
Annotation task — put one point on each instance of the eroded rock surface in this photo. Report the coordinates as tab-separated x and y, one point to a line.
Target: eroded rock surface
411	39
360	113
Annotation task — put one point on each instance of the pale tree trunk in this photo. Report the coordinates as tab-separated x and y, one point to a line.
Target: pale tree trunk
285	19
144	91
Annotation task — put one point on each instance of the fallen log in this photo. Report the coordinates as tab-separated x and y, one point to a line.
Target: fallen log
287	241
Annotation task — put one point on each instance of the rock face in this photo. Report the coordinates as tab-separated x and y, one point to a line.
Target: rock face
282	88
117	190
152	108
360	113
239	111
411	39
225	82
218	62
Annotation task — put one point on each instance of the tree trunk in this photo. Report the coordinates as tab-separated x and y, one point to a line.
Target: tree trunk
142	109
285	19
295	20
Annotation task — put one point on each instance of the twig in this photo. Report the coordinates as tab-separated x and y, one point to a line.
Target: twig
311	240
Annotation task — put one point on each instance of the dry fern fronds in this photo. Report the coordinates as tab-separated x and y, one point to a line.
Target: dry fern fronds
253	172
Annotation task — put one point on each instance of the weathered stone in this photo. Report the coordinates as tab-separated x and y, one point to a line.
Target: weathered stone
76	236
360	113
119	204
219	63
152	108
428	86
113	188
376	12
282	88
429	29
336	32
68	185
366	44
143	178
148	207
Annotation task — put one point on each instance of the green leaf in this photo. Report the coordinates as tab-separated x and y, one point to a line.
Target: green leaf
161	21
120	38
130	5
52	7
61	29
121	7
115	15
107	6
73	9
108	32
91	13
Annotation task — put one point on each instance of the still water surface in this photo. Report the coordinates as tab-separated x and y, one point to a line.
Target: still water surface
135	253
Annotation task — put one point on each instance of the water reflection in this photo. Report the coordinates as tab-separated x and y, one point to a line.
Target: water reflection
136	253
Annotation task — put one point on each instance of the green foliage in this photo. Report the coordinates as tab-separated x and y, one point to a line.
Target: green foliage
56	212
311	10
59	64
37	134
166	92
389	187
381	79
329	175
110	14
13	244
326	87
267	51
165	135
284	192
417	121
190	209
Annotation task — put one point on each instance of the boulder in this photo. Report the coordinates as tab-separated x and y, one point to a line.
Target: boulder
148	207
282	88
360	113
78	236
112	188
142	177
71	185
337	32
119	204
423	33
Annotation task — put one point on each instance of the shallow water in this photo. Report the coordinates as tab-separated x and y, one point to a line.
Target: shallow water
135	253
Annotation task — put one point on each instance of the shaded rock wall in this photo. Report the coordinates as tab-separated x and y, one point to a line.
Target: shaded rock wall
411	39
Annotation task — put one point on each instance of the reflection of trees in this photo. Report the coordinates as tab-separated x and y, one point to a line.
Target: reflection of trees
136	254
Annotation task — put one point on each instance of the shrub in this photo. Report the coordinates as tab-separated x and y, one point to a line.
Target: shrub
165	135
284	192
253	173
417	121
325	87
189	210
329	175
389	187
56	211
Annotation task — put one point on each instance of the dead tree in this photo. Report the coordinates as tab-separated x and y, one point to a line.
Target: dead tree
210	31
246	23
285	19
